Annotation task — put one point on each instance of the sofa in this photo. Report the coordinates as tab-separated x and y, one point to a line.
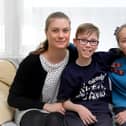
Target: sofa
7	73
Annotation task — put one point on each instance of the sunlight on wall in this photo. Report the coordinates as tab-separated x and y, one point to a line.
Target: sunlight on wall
25	21
79	3
79	11
107	19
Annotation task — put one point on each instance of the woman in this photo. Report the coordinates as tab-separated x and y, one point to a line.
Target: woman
34	89
118	77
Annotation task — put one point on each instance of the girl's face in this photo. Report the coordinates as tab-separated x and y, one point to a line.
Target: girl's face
122	40
58	33
86	44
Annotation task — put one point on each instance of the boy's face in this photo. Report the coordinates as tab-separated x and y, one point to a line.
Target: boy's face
86	44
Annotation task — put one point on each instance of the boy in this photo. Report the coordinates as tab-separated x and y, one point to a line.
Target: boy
85	89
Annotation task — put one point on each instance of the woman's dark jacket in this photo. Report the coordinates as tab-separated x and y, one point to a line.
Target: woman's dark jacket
26	89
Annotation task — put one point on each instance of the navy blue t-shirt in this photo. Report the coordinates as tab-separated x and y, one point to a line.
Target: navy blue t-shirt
88	85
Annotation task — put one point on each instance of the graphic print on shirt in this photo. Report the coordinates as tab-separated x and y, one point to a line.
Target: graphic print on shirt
93	89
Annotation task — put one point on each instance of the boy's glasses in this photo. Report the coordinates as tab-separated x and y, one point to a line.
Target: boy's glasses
85	41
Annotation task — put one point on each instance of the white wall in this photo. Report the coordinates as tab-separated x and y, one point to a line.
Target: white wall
106	18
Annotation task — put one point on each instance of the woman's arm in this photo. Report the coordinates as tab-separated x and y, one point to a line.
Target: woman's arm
54	107
25	91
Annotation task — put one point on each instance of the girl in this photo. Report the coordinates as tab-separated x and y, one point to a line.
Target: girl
118	77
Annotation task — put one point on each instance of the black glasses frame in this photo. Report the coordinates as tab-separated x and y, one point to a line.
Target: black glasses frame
86	41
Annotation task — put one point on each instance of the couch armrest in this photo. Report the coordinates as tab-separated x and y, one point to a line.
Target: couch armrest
7	73
6	112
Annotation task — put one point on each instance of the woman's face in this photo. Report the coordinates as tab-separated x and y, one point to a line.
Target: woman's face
58	33
122	40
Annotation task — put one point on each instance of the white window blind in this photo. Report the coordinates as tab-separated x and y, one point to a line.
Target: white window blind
2	39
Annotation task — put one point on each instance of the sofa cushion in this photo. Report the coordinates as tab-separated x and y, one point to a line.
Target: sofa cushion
7	71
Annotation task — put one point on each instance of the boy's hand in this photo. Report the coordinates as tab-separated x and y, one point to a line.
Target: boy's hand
86	116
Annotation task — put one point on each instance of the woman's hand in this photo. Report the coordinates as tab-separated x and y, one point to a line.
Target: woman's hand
121	117
54	107
86	116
